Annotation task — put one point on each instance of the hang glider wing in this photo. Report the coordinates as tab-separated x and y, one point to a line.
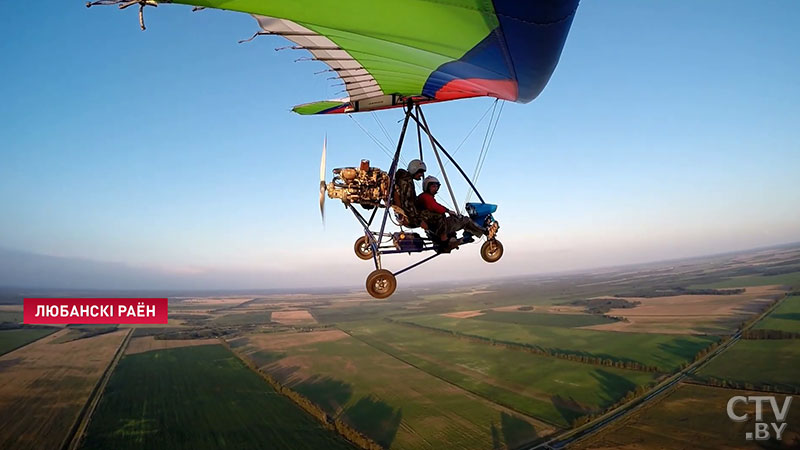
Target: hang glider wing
387	51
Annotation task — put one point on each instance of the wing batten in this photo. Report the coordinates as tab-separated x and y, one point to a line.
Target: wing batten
322	49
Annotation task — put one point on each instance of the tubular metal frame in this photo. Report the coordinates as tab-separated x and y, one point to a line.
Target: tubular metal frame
379	246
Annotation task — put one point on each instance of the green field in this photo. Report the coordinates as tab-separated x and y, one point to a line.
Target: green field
196	398
364	311
552	320
786	317
787	279
394	403
551	389
667	352
759	362
11	316
692	417
14	339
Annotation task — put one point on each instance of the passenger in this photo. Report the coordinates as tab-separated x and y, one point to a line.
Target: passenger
445	226
405	194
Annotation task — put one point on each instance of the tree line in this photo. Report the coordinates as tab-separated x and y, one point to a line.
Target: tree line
537	350
725	383
639	391
327	421
761	334
673	292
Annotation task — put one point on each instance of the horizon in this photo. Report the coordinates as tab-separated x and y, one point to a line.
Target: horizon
420	284
679	143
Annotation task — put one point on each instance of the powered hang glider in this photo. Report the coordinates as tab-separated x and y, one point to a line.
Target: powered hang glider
404	54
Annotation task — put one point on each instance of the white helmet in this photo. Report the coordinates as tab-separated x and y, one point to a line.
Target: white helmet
415	166
427	181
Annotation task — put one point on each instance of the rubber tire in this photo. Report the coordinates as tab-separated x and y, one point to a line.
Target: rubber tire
359	246
491	251
381	283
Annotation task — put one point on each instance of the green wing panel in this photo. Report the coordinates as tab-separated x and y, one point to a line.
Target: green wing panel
400	43
316	107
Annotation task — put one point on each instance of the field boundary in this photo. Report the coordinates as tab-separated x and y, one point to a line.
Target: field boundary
536	350
734	386
56	330
346	431
494	402
74	438
665	387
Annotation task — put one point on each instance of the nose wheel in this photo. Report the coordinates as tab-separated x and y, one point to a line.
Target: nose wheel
381	283
363	248
491	250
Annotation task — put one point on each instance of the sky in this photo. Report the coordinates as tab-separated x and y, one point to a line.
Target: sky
170	158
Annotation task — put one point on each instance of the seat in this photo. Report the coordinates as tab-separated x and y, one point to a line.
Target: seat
404	220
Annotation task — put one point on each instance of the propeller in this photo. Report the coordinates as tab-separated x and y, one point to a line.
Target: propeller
322	186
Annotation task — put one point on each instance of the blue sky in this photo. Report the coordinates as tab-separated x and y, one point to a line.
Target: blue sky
669	129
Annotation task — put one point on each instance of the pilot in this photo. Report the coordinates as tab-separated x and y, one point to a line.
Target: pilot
445	226
405	194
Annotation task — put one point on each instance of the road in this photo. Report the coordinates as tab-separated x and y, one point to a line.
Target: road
594	426
75	438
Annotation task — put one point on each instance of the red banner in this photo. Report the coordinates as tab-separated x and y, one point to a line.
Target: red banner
95	311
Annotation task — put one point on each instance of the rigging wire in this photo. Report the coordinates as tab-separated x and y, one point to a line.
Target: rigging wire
375	140
487	142
385	133
474	127
493	106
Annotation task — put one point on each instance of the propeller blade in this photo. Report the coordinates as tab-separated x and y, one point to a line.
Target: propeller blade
322	200
322	187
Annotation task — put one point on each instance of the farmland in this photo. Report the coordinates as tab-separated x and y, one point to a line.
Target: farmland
44	385
551	389
392	402
501	364
149	343
10	314
552	320
692	314
760	363
791	279
243	318
13	339
666	352
786	317
691	417
214	391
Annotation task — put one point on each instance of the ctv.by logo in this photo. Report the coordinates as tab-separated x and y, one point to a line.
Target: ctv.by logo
762	430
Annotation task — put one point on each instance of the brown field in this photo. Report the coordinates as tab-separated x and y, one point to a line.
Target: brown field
305	300
148	343
281	341
691	417
293	317
44	385
456	294
688	314
463	314
11	308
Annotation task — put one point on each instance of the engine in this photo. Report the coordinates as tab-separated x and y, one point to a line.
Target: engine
364	185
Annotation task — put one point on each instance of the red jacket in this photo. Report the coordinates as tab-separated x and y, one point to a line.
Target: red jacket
426	201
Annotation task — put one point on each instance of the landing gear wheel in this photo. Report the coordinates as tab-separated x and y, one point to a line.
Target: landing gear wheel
491	250
381	283
363	248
